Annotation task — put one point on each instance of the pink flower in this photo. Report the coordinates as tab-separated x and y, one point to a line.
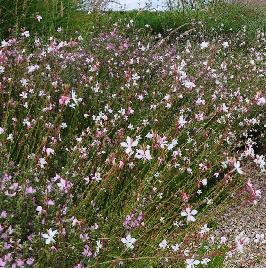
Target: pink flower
3	214
253	193
20	263
184	197
64	100
261	101
30	261
2	263
64	185
241	240
86	252
121	164
48	151
30	190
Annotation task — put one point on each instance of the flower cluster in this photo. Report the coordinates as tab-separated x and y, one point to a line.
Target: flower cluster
114	146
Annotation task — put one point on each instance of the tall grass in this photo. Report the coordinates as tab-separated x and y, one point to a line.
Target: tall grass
232	17
42	16
68	14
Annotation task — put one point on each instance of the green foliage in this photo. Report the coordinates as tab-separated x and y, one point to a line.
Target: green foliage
232	16
22	14
15	16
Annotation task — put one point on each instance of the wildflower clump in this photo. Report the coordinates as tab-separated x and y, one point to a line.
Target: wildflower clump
114	149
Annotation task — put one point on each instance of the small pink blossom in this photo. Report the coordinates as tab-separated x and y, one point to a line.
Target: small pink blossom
87	252
2	263
241	241
64	100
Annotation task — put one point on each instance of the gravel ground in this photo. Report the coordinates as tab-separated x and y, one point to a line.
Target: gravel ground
251	2
248	218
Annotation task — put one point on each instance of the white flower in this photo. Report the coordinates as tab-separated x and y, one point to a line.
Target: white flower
204	229
42	162
24	82
149	135
223	240
172	144
2	130
129	241
177	223
97	177
225	44
260	238
99	245
237	168
63	125
260	160
26	34
5	44
189	84
175	247
143	154
241	240
2	69
204	45
38	18
205	261
182	121
163	244
130	127
189	214
192	262
135	76
39	209
74	97
204	182
33	68
129	144
49	237
10	137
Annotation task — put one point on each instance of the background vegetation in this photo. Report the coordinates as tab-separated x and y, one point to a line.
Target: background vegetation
18	14
68	14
